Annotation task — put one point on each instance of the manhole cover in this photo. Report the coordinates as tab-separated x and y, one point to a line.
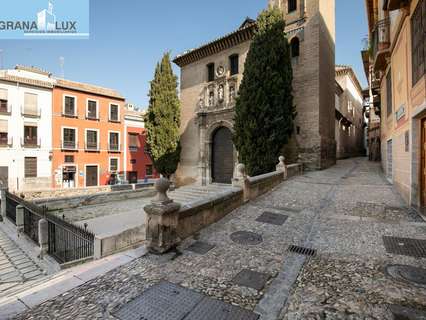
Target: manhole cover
413	275
405	246
167	301
272	218
246	238
200	247
164	301
251	279
404	313
210	309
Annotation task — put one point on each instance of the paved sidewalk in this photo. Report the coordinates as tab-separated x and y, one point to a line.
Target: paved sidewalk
342	212
16	267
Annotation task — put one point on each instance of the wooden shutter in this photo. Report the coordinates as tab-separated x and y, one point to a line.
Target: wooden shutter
133	140
30	167
3	126
30	104
3	94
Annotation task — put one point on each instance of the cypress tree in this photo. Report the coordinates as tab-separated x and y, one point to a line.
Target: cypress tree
264	110
163	119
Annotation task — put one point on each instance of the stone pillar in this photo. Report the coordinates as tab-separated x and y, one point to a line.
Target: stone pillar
300	161
281	166
162	220
241	180
43	236
3	202
19	218
202	164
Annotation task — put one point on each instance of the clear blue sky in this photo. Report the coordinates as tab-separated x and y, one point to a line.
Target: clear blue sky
129	36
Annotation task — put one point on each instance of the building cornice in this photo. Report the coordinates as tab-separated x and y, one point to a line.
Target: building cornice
88	88
26	81
245	33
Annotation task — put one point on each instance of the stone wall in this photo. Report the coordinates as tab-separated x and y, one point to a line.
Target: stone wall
106	245
168	223
261	184
62	193
207	211
96	198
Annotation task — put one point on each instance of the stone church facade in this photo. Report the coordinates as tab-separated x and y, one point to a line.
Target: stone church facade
212	73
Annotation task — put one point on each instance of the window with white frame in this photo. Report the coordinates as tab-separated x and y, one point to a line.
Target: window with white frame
92	141
3	101
70	109
92	110
69	138
30	104
114	141
113	164
114	112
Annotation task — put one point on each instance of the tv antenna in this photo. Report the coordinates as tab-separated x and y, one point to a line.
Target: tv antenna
61	64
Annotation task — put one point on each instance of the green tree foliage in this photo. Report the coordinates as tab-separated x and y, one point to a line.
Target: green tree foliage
163	119
264	109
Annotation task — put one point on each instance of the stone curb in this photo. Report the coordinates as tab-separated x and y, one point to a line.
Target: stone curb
64	281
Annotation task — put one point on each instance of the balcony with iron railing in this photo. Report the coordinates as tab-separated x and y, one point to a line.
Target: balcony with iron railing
113	147
30	112
91	146
5	108
380	44
69	145
69	113
391	5
6	142
30	142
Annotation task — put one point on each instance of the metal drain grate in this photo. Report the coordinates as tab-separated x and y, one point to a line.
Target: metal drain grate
302	250
164	301
167	301
251	279
272	218
405	246
200	247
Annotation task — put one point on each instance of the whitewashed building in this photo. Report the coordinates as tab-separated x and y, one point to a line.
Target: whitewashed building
26	128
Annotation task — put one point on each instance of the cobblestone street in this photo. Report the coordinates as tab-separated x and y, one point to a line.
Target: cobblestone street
343	213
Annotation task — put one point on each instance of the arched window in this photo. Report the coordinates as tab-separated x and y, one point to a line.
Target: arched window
295	47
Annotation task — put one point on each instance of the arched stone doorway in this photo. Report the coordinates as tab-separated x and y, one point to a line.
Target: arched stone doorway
222	156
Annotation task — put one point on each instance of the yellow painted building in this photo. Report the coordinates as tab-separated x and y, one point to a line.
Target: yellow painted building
395	65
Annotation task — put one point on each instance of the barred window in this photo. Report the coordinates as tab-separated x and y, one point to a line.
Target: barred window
292	5
418	41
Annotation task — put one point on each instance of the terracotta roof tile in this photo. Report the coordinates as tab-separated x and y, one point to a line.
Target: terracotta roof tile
79	86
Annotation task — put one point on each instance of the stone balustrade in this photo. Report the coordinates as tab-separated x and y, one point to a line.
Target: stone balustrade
168	222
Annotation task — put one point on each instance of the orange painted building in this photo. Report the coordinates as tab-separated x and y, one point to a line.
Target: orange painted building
88	135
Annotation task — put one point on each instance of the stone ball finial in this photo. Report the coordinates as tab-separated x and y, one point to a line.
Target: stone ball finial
162	185
281	159
241	169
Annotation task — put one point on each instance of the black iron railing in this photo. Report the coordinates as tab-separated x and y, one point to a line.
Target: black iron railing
31	219
12	202
66	242
381	36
